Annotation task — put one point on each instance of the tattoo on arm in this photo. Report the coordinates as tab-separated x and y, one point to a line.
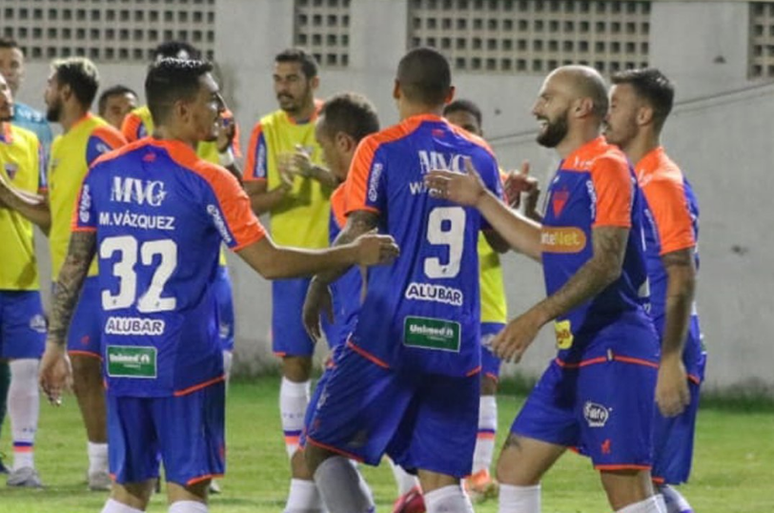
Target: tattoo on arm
71	276
594	276
681	258
358	223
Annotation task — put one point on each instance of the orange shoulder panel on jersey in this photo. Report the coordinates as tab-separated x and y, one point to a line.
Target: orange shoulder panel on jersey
252	149
666	199
235	147
479	141
613	188
131	126
339	206
357	179
234	203
110	135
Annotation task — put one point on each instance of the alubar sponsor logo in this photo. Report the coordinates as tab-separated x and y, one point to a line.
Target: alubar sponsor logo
134	326
435	293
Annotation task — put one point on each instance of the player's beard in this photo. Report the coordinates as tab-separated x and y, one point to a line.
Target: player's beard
6	112
619	135
53	111
554	132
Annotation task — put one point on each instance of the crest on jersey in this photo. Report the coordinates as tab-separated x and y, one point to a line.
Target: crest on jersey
559	200
11	168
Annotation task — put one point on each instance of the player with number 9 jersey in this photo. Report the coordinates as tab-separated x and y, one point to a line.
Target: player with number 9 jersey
160	214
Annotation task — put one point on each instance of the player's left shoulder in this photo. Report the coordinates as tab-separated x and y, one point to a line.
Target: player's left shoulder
23	136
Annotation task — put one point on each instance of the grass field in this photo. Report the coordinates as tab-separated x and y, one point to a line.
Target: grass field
733	468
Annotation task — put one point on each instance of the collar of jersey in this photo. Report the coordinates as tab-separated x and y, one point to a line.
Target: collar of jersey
647	164
589	150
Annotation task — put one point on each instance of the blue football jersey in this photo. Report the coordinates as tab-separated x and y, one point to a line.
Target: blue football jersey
422	312
595	186
160	214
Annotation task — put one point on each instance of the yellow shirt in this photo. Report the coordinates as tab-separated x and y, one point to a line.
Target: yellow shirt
494	307
71	155
21	165
301	219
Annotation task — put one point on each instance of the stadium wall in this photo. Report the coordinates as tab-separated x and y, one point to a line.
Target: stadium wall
721	133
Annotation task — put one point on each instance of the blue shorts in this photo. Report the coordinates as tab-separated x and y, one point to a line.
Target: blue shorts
422	421
673	440
289	338
605	410
186	433
225	301
490	364
85	334
22	324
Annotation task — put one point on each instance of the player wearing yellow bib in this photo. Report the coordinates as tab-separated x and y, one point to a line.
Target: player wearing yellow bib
494	315
284	177
22	324
72	86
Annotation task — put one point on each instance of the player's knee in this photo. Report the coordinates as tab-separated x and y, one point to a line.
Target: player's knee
86	374
488	385
299	467
297	368
134	495
626	486
314	456
512	467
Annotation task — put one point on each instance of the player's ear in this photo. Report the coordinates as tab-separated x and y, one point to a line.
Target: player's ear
450	95
644	115
396	90
314	83
345	142
583	107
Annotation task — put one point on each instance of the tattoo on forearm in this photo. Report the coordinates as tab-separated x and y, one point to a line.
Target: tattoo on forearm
76	266
594	275
358	223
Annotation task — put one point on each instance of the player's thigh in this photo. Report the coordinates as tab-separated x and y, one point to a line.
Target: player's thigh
133	449
615	410
523	461
289	337
22	325
440	430
490	364
191	432
673	439
84	335
359	408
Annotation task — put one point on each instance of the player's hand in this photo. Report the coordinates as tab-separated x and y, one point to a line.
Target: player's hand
519	182
285	173
226	133
300	162
318	301
509	345
463	188
672	392
375	249
55	372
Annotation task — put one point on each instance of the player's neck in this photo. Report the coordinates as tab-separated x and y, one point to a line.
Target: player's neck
577	138
641	146
170	133
71	115
304	115
408	110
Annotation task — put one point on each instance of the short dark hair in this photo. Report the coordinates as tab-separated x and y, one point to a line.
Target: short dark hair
350	113
112	91
172	49
424	76
81	75
301	56
8	42
652	86
171	80
464	106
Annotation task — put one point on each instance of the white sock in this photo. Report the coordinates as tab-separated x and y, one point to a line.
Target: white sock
487	430
98	457
113	506
342	488
188	507
449	499
294	398
521	499
403	479
674	502
23	410
649	505
303	497
228	358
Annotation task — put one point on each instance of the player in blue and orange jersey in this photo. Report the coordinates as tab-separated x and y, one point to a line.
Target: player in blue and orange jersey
343	121
155	214
494	315
297	201
72	86
598	393
640	101
410	370
22	323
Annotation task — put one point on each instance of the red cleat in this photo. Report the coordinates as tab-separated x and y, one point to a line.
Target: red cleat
410	502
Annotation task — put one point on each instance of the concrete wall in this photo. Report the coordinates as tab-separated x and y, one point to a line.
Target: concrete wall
721	133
